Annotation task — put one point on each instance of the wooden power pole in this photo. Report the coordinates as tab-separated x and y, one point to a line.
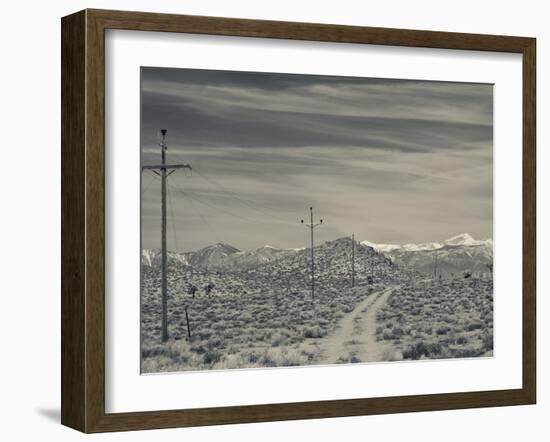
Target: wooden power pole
353	260
311	227
164	171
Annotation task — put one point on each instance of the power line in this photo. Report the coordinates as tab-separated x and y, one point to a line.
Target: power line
204	203
233	195
145	187
164	171
193	195
240	199
172	217
205	221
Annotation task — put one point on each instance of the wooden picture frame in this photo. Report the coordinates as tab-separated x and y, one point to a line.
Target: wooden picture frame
83	220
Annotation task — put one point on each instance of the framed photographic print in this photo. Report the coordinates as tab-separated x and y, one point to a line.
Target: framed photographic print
270	220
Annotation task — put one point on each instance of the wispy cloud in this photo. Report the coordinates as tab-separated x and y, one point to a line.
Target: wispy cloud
391	160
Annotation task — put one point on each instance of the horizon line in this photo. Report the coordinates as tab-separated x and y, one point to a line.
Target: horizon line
330	240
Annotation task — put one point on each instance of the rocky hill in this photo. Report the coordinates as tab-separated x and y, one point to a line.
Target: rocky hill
332	263
268	269
211	256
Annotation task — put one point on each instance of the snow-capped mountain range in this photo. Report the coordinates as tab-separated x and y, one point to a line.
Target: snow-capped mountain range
457	254
218	256
267	267
463	239
451	256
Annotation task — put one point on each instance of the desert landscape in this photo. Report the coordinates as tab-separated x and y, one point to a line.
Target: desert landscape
232	309
292	219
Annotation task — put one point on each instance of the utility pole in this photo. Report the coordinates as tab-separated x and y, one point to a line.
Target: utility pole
353	260
311	227
187	322
164	171
435	265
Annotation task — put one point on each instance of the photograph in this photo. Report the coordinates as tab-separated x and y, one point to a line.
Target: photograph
303	220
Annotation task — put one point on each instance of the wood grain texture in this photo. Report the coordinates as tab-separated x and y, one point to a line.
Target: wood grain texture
83	220
73	130
95	221
144	21
529	221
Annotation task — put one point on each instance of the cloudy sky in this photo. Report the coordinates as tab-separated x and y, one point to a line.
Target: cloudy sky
393	161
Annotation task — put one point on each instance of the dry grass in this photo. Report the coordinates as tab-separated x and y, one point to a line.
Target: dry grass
256	319
251	329
443	318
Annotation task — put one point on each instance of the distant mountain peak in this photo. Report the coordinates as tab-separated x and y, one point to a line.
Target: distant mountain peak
462	239
153	257
222	245
458	253
383	248
219	247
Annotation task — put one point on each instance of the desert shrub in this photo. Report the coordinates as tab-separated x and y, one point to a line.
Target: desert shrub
381	316
416	351
251	356
267	359
313	332
220	325
149	366
323	323
462	339
233	349
392	354
262	336
148	351
211	356
426	329
474	326
214	342
156	365
199	347
350	358
278	338
229	334
434	348
251	334
311	354
387	334
467	352
291	358
175	348
205	333
397	332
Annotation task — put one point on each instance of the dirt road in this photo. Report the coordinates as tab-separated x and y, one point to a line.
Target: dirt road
355	337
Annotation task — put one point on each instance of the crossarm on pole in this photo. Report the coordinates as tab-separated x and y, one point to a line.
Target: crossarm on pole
167	166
